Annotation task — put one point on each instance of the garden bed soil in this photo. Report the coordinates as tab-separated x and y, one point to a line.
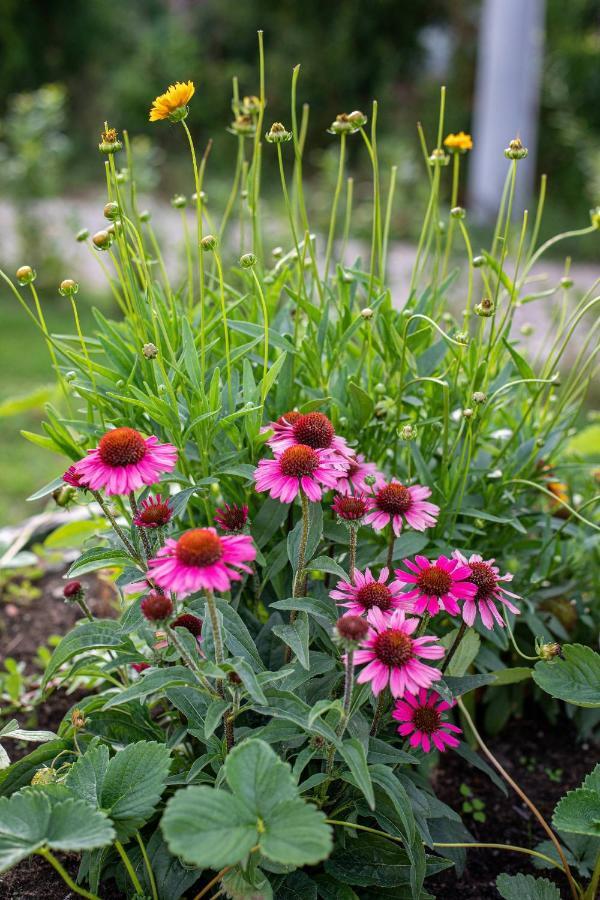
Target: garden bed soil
547	750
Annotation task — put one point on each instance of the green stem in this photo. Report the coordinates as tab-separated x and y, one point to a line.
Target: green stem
347	217
390	551
592	890
334	205
378	714
130	870
461	633
198	184
190	663
216	627
352	552
117	528
302	546
49	857
225	329
85	609
148	866
141	530
265	311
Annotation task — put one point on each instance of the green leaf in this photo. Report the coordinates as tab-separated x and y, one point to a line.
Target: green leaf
296	636
320	607
98	558
296	834
374	860
249	679
73	534
150	683
325	564
22	771
466	652
361	403
384	777
355	757
259	778
100	634
32	819
512	675
461	684
575	678
578	812
526	887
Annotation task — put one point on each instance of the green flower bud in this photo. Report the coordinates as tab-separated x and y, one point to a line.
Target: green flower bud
209	242
25	275
248	260
486	308
179	201
112	211
102	240
516	150
150	351
109	142
479	397
145	215
82	235
439	158
278	134
457	212
478	262
68	288
408	433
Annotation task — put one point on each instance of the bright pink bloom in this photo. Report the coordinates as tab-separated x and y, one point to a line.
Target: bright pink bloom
299	466
354	480
437	585
486	577
422	717
310	429
231	517
395	501
154	512
393	655
350	508
367	593
123	461
201	559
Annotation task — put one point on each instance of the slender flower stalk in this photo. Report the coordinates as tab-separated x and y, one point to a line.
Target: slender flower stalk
198	178
334	205
455	645
173	637
142	531
225	328
265	312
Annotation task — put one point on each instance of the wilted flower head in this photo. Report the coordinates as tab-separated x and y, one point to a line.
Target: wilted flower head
458	143
153	512
422	717
368	593
231	517
109	140
516	150
490	591
437	585
156	606
173	103
278	134
394	502
78	720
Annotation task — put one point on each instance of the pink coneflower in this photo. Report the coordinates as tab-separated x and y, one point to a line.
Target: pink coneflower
310	429
422	717
123	461
486	577
358	470
393	655
154	512
437	585
231	517
368	593
299	466
201	559
74	478
350	508
395	501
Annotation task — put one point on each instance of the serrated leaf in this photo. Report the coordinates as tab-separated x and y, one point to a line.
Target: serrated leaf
296	834
526	887
575	678
259	778
578	812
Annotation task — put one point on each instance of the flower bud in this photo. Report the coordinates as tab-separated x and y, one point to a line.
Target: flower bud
244	126
145	215
278	134
357	118
73	592
367	313
111	211
191	623
78	720
408	433
68	288
461	337
179	201
203	197
248	260
457	212
485	308
342	125
516	150
25	275
109	140
82	235
467	413
379	388
349	631
478	262
251	105
156	607
439	158
150	351
64	496
209	242
479	397
370	480
549	651
277	252
527	329
102	240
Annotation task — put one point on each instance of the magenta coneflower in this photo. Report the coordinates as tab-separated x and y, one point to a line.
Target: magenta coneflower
310	429
299	466
350	508
201	559
73	478
231	517
156	606
358	470
395	501
393	655
154	512
486	577
437	585
368	593
422	717
123	461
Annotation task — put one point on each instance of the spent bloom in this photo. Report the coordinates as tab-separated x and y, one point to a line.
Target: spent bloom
173	103
156	606
349	631
153	512
201	559
368	593
358	471
458	143
437	585
299	467
231	517
191	623
394	657
123	461
394	502
487	579
422	717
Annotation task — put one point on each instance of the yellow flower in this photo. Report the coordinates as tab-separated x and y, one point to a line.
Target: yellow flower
173	103
460	142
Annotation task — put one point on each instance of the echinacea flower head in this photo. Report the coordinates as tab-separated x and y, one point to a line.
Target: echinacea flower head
368	593
296	468
201	560
394	656
73	591
486	578
394	502
459	143
349	508
438	585
153	512
123	461
312	429
358	470
156	606
349	631
140	667
422	717
191	623
74	478
173	103
231	517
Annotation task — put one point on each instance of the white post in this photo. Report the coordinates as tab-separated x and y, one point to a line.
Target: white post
509	67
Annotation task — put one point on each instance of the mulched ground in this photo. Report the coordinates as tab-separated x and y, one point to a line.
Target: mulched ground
546	749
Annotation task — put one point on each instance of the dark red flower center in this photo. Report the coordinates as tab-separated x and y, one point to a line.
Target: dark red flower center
156	606
375	594
199	547
350	508
232	518
155	514
394	499
393	648
353	628
426	719
483	576
315	430
299	460
122	447
192	623
434	581
289	418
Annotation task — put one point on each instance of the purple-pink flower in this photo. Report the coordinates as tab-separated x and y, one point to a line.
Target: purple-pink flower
487	579
394	502
422	717
72	477
438	585
231	517
354	479
393	656
312	429
123	461
201	559
153	512
299	467
368	593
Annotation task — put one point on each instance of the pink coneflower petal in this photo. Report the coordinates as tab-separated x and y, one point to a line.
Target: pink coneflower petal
367	593
354	480
124	461
422	717
394	502
312	429
489	591
201	559
154	512
438	585
299	467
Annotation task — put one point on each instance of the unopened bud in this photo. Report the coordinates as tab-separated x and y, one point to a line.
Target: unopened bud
478	262
150	351
179	201
145	215
25	275
485	308
457	212
566	283
111	211
102	240
109	140
82	235
439	158
479	397
68	288
357	118
367	313
467	413
349	631
209	242
278	134
516	150
248	260
408	433
461	337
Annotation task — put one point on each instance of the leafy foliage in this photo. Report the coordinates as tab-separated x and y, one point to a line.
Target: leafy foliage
576	678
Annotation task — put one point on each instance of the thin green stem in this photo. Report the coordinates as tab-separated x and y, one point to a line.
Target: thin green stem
455	644
49	857
148	866
334	205
352	552
265	312
130	870
200	255
225	329
347	217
